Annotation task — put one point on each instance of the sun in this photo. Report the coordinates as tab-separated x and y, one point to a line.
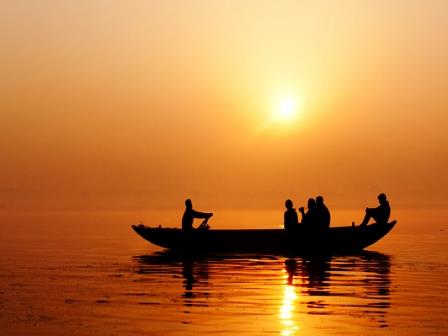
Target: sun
283	112
286	110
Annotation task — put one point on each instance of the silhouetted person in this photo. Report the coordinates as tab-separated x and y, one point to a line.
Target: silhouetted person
190	214
309	218
290	218
322	213
380	214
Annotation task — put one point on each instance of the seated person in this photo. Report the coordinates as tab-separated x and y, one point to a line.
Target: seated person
322	213
190	214
309	218
380	214
290	218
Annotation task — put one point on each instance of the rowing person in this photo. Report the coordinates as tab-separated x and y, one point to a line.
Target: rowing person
190	214
380	214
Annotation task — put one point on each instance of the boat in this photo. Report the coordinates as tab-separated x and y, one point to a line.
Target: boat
335	240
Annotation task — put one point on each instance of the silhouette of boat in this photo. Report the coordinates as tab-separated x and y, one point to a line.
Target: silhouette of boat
335	240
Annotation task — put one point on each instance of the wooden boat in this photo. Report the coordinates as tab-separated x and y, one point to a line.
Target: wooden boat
336	240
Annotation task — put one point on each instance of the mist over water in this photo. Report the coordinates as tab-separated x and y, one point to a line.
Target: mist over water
59	223
76	277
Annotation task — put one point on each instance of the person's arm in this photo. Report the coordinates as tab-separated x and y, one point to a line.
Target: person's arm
197	214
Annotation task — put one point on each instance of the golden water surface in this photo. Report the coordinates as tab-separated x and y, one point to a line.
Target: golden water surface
105	280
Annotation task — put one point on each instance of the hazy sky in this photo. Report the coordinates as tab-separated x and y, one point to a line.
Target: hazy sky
131	104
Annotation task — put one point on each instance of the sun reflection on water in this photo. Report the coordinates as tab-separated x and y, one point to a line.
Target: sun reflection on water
287	309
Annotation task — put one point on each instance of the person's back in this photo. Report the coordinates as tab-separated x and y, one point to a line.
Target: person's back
323	216
187	219
383	212
290	217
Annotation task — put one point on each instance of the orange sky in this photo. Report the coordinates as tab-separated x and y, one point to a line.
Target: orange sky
139	104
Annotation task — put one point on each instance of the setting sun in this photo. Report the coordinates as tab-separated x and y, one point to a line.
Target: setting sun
286	110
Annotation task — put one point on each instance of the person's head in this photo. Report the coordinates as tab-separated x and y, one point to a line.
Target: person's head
319	200
288	204
311	203
188	203
382	198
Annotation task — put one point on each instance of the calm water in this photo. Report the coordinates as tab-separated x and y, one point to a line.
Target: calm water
105	280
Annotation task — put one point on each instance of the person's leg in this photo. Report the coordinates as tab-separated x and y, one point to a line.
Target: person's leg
366	218
377	218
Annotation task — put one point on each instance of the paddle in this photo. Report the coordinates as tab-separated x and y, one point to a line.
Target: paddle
204	225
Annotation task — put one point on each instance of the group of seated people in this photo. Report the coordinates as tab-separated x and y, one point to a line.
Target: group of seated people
316	217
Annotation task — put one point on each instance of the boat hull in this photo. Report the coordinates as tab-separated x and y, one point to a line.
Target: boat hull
337	240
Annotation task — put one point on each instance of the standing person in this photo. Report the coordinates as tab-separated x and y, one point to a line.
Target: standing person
380	214
190	214
291	221
309	218
322	213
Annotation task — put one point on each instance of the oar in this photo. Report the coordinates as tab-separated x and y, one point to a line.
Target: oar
204	225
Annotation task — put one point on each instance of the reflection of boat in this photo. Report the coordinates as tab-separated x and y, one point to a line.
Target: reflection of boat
192	269
337	240
360	281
